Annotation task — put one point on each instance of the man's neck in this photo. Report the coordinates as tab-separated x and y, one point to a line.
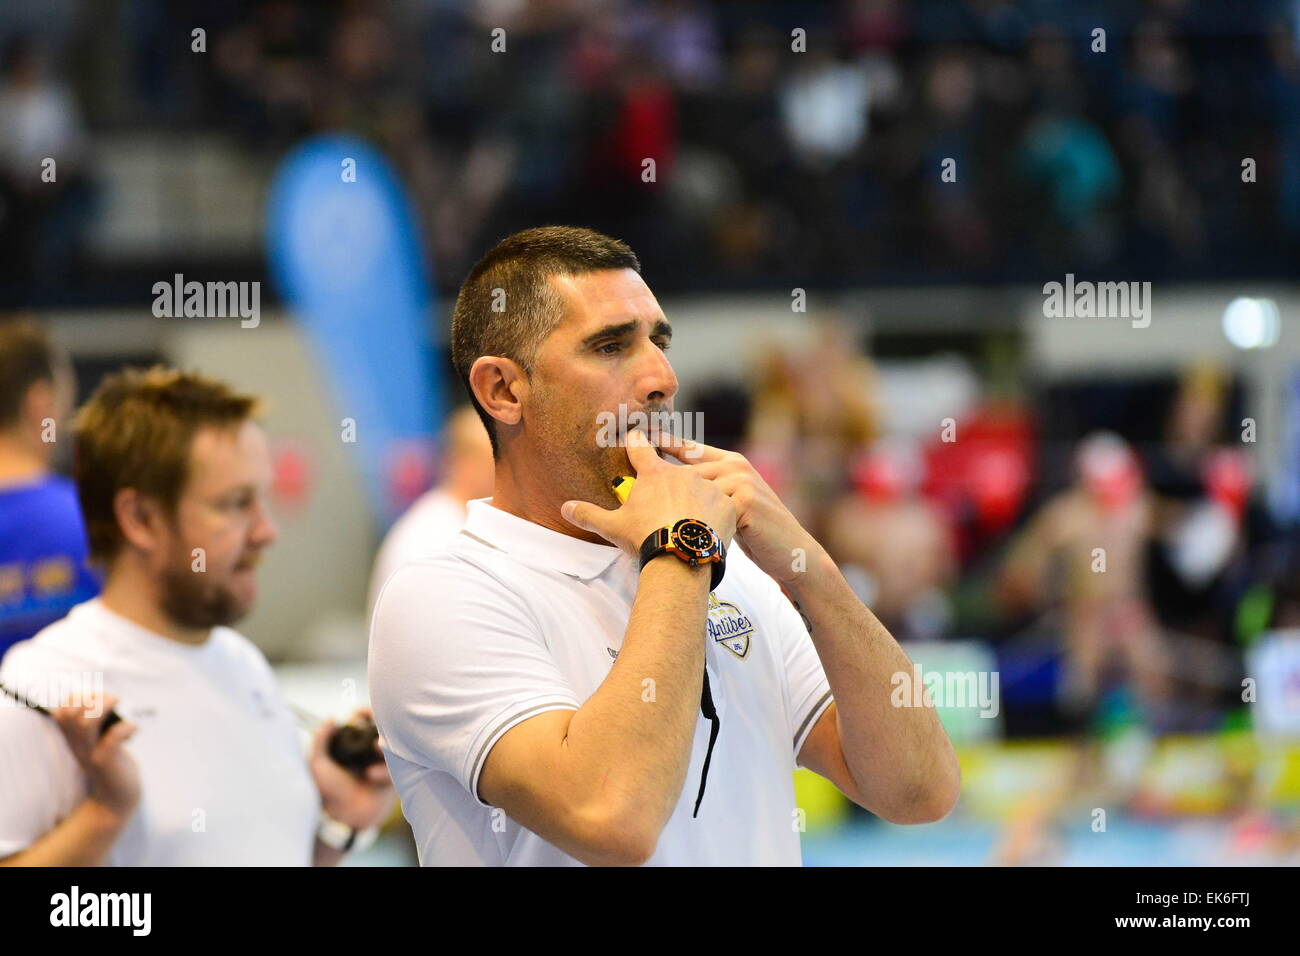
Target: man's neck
534	502
132	595
20	464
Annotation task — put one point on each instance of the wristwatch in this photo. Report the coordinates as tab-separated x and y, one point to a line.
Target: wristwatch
341	837
692	541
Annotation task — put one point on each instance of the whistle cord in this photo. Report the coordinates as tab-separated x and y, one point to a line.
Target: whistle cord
707	708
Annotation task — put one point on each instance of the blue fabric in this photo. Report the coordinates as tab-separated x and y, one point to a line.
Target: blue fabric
43	552
345	254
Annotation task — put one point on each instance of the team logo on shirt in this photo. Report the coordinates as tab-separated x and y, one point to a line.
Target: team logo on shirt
729	626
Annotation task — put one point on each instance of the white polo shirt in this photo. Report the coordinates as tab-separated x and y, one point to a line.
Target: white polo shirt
224	781
512	620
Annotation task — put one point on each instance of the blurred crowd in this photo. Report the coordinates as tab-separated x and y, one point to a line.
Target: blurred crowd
1120	565
790	141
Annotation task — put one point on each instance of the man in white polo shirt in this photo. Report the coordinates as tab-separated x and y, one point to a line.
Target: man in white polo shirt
579	681
205	767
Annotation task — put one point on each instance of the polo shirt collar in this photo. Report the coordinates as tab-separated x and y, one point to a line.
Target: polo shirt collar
534	545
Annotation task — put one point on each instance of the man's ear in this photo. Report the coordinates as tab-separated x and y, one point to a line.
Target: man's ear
500	386
139	518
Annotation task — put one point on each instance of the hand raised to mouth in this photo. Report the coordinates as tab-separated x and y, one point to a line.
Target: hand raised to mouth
661	496
765	528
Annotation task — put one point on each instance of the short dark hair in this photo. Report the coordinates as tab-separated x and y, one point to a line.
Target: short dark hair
27	356
506	305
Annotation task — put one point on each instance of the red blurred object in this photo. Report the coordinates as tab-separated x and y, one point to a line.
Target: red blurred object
1227	478
885	474
410	472
878	479
293	472
998	479
876	26
646	128
1109	470
984	474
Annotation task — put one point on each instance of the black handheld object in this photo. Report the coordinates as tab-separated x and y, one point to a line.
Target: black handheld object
354	746
112	718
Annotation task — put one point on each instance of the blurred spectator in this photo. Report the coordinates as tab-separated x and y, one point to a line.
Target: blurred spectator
811	411
433	518
1068	159
824	107
1286	95
1204	487
953	160
268	67
879	25
43	548
899	543
680	38
1086	548
43	193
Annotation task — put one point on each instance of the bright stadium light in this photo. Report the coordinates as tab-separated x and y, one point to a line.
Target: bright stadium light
1251	323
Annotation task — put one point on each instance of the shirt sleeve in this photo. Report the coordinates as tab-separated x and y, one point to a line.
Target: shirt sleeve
456	660
40	781
808	693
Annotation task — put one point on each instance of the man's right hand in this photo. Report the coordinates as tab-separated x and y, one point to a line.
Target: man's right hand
663	494
110	770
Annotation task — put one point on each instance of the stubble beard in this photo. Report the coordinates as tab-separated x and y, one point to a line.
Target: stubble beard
192	600
579	468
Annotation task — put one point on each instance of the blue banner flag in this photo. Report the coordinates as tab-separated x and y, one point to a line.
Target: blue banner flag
345	254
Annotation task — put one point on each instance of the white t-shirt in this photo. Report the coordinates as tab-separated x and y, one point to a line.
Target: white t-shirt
224	780
425	528
513	620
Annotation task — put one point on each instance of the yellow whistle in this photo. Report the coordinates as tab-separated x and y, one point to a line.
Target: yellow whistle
623	487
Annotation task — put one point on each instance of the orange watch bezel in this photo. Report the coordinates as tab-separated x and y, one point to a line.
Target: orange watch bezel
690	556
